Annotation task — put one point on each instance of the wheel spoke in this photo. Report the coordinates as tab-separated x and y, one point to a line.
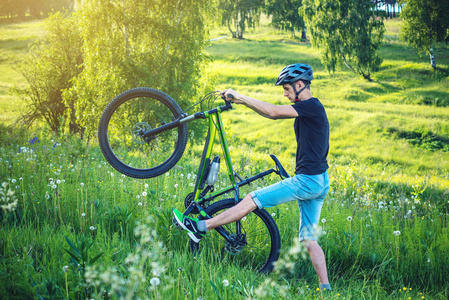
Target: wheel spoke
253	245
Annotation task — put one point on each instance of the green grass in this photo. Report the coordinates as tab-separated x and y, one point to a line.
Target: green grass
14	42
389	173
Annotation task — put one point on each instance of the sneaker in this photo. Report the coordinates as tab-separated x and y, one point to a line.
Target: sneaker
189	224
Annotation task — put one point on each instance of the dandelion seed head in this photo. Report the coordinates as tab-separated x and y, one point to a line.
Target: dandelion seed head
225	282
155	281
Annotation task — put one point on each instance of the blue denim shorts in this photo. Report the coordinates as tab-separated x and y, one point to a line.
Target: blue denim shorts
308	190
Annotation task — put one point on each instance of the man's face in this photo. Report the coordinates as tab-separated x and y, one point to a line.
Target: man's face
289	92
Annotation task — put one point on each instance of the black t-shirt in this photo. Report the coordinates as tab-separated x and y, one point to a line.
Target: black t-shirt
312	137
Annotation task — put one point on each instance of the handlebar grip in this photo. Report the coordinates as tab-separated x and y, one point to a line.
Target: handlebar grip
230	96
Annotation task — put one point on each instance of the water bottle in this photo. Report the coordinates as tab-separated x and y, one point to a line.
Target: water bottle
213	171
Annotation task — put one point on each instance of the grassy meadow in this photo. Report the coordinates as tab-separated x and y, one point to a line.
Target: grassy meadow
82	230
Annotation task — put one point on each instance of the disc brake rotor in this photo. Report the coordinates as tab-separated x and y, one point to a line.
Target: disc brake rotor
137	128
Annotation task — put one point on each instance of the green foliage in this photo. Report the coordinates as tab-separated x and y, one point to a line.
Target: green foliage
426	140
425	24
79	253
49	68
285	15
240	13
345	31
158	44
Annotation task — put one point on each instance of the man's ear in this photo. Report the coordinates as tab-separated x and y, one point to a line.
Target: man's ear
299	85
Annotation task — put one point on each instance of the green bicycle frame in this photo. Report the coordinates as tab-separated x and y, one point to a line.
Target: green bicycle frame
215	127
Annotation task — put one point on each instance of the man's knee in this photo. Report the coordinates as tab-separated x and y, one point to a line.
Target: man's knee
310	244
249	202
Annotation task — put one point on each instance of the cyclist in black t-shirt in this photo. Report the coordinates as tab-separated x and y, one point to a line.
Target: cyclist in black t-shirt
310	184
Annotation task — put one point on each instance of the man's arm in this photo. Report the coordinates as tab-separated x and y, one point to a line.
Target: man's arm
265	109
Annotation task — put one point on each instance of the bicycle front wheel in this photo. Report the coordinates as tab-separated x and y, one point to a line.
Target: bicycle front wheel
139	110
256	245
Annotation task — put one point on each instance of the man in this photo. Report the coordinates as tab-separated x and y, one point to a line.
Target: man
310	184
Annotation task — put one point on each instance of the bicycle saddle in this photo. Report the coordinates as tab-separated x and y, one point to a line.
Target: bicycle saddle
280	168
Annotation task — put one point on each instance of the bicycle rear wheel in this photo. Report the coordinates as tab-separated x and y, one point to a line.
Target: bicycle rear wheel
257	245
136	110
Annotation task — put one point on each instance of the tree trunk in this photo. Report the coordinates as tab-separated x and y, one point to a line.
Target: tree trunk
237	33
366	76
303	34
125	29
232	32
432	59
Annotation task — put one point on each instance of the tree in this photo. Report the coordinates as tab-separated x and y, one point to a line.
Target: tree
109	46
240	14
285	15
132	43
49	68
346	31
425	24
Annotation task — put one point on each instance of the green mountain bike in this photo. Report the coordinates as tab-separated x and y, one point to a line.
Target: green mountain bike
143	134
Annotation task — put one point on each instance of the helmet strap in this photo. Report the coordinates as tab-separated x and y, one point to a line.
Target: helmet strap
299	92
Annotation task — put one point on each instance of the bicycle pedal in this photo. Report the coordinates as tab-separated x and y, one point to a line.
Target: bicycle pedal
175	222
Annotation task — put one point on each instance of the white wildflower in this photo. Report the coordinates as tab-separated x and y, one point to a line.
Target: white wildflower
155	281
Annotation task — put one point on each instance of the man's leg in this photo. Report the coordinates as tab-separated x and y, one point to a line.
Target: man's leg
233	214
318	260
